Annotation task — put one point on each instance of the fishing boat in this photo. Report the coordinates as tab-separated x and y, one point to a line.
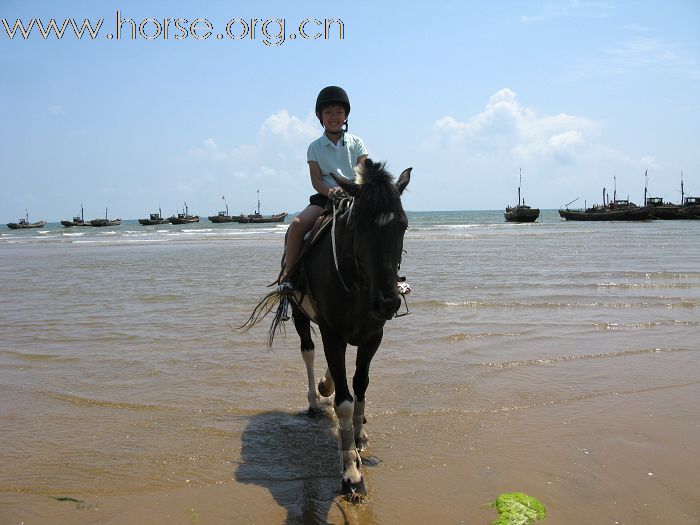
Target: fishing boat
610	210
100	223
258	218
77	220
688	209
22	224
183	218
222	216
521	212
154	218
619	210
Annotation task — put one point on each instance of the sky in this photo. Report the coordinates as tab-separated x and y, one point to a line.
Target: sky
578	95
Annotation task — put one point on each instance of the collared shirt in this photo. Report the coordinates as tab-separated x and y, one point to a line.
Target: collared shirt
340	158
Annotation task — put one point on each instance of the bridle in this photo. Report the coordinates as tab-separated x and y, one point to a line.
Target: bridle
345	204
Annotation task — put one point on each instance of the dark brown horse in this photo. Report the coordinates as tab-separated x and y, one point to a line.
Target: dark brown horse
346	283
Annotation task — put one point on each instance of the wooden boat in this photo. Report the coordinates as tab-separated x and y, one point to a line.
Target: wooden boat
605	213
23	224
77	221
100	223
258	218
154	218
222	216
611	210
521	212
183	218
688	209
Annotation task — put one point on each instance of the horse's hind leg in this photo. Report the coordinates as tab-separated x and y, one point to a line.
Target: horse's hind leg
303	327
326	386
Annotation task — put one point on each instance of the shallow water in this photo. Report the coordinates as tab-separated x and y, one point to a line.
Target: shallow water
557	359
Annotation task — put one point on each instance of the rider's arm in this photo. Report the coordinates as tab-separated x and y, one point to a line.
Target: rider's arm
316	178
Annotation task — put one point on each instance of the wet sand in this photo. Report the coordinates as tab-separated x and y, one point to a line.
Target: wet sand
521	368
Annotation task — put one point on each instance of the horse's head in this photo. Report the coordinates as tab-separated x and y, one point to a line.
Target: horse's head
379	223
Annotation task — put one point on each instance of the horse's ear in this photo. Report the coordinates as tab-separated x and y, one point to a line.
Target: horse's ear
348	186
404	179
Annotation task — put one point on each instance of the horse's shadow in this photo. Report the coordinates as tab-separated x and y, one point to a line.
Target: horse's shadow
296	458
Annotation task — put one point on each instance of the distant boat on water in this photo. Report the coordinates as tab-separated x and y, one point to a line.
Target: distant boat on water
258	218
105	222
154	218
521	212
22	224
183	218
222	216
610	210
77	221
688	209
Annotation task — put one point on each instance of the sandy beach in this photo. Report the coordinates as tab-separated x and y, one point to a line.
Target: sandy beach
554	359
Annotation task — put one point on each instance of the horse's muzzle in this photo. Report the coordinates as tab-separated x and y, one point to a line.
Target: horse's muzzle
386	305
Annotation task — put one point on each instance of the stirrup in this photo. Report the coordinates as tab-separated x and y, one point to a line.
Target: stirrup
283	310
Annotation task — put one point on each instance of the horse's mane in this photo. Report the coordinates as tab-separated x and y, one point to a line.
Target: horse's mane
378	193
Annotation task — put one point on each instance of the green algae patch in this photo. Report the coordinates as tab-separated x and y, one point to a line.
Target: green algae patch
516	508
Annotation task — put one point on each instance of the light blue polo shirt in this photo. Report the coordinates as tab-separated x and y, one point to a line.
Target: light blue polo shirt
340	159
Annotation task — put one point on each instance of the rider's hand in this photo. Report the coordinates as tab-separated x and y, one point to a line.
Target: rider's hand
335	192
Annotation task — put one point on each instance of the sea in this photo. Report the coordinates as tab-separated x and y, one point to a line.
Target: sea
558	359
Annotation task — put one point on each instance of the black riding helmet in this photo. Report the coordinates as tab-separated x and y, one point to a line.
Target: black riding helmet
332	95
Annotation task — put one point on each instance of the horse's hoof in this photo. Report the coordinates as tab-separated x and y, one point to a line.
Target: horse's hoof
322	389
314	412
354	492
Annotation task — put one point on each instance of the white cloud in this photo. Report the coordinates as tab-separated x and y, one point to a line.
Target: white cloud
289	127
56	110
649	161
552	10
506	127
273	160
643	54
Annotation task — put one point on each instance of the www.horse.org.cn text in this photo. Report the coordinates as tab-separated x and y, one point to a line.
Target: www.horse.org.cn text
268	31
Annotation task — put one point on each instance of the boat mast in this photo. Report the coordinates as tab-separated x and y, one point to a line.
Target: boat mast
82	214
682	193
520	182
258	202
614	188
646	183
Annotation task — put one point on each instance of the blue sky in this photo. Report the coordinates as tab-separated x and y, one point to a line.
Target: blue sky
467	93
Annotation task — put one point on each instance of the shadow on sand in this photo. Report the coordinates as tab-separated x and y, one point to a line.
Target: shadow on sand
296	458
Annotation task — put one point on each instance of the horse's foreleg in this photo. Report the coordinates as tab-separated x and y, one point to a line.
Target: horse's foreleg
360	382
353	483
334	348
303	327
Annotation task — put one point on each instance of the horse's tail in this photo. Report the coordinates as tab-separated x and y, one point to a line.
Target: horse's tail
264	307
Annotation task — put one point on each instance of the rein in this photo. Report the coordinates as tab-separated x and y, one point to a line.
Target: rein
335	250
